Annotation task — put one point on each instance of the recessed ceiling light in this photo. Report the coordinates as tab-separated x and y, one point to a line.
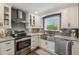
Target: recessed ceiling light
36	12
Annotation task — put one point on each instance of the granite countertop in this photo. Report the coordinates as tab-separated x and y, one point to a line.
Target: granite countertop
34	34
67	38
60	36
48	38
6	39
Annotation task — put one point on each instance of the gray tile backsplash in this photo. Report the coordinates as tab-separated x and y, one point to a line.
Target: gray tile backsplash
65	32
18	26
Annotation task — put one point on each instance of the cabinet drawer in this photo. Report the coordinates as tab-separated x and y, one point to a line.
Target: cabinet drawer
8	51
11	52
7	47
7	44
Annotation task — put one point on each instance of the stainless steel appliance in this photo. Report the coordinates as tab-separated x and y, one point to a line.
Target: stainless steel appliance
63	46
23	46
22	43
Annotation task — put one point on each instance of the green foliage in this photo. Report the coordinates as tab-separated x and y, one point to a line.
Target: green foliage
52	27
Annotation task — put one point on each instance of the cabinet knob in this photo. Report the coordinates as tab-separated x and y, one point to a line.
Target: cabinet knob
69	24
8	49
46	43
8	43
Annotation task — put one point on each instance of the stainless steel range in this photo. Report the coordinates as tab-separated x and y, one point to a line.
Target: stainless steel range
22	43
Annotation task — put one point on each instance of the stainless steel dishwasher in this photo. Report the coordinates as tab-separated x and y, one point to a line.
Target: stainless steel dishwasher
63	46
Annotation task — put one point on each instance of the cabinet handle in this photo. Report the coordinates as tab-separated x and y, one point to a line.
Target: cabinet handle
7	43
46	43
69	24
72	43
8	49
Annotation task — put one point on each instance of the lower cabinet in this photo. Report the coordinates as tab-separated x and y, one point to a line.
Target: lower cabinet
47	45
43	44
7	48
51	46
75	48
34	42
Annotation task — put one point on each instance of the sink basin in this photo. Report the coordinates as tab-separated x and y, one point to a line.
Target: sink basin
50	38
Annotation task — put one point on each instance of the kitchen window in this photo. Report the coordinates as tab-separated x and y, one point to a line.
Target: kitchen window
52	22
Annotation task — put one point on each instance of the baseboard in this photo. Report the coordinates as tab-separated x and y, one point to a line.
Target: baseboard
48	51
35	49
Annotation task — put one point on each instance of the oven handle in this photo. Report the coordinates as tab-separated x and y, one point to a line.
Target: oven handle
23	39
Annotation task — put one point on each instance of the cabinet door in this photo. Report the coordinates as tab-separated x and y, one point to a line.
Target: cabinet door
34	42
7	48
38	22
65	18
7	15
69	17
1	15
74	16
43	44
35	21
51	46
75	48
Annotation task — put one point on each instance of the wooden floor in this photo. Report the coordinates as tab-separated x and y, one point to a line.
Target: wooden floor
39	52
33	53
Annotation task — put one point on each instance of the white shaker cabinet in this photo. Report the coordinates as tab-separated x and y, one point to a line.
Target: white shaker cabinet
51	46
38	22
34	42
69	17
43	44
75	48
5	15
35	21
47	45
7	48
1	14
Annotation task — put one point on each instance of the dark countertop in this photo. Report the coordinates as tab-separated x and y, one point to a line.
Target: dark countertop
67	38
60	36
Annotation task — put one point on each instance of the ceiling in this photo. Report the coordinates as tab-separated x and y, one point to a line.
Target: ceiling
40	8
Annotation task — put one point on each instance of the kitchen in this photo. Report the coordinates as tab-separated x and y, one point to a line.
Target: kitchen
39	29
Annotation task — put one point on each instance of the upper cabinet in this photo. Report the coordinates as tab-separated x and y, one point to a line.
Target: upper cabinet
35	21
39	22
5	15
69	18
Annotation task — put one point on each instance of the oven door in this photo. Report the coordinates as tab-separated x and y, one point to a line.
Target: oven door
22	44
